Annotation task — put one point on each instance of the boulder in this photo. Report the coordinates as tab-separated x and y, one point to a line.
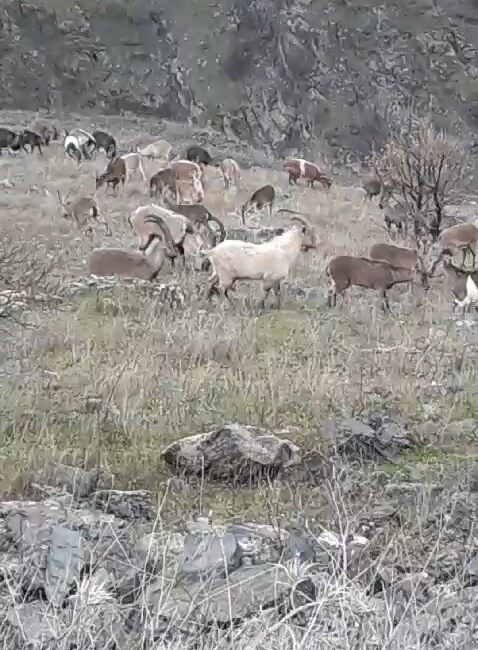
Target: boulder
232	452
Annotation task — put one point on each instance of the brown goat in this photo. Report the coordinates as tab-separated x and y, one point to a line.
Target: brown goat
114	174
198	215
463	236
345	271
117	261
162	180
84	212
263	196
396	255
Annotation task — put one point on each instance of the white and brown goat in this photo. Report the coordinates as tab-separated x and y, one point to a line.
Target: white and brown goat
299	168
463	284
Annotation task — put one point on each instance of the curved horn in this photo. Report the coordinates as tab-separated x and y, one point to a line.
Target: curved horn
211	217
299	216
163	226
59	198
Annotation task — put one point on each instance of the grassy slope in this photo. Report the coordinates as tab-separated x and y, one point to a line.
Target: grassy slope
162	375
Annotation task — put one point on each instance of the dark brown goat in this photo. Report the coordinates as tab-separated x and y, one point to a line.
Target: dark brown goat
263	196
114	174
197	214
162	180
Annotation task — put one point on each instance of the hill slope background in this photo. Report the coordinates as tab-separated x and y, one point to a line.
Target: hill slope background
304	75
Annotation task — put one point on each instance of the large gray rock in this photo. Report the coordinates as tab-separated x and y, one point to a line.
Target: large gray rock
65	561
244	592
233	452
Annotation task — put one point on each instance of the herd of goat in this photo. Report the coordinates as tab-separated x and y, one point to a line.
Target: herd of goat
181	225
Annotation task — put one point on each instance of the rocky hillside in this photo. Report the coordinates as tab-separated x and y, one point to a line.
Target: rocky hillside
327	72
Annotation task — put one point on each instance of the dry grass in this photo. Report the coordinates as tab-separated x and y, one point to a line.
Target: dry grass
164	374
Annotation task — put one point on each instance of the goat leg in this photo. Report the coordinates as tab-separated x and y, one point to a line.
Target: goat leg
385	303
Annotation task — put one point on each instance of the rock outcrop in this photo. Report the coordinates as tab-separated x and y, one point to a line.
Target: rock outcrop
315	75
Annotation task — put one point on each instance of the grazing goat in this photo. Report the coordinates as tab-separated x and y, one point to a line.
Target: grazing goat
270	262
79	144
144	266
83	212
162	180
198	215
396	215
345	271
231	173
106	142
263	196
372	188
114	174
158	150
9	139
464	285
183	234
33	139
396	256
199	155
463	236
188	177
45	129
300	168
133	164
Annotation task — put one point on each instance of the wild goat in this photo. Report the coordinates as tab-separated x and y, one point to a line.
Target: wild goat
133	164
198	215
263	196
33	139
199	155
9	139
231	173
396	215
106	142
188	181
79	144
183	233
463	236
375	187
144	266
114	174
300	168
464	285
345	271
158	150
162	180
396	255
45	129
83	212
269	262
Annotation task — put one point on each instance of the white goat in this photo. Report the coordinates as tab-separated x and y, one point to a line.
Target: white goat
133	164
270	262
79	144
158	150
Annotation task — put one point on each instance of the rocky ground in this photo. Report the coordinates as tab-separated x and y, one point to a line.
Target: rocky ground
178	473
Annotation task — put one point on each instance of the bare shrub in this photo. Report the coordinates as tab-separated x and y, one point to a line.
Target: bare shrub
426	169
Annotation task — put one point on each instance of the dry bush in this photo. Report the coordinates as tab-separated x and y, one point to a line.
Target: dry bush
427	170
